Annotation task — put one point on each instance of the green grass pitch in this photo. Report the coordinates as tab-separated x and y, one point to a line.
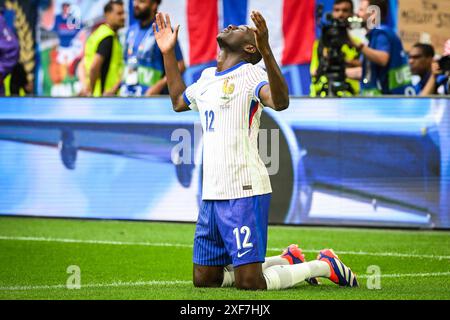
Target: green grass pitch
149	260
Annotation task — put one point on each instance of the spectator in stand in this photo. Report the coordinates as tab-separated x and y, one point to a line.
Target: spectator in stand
17	83
385	68
144	65
439	81
420	60
9	51
342	10
103	57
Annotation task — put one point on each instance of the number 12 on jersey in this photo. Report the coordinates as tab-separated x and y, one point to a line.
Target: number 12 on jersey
209	118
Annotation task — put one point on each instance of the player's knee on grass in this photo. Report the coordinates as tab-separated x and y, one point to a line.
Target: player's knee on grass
249	277
251	283
209	277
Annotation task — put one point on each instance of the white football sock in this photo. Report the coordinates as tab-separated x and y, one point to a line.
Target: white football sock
274	261
286	276
319	269
228	276
279	274
228	271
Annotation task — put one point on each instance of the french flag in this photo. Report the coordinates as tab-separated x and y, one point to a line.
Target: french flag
291	26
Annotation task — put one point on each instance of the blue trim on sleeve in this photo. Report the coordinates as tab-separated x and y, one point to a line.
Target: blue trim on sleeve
258	87
185	98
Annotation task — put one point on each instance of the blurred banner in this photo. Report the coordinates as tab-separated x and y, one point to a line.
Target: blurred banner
367	162
57	31
63	27
425	21
21	18
291	25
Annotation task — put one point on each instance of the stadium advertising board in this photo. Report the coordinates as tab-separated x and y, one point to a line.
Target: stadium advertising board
383	162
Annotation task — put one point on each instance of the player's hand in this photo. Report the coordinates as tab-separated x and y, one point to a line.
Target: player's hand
261	32
164	36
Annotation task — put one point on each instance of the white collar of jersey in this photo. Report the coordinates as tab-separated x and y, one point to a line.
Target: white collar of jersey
221	73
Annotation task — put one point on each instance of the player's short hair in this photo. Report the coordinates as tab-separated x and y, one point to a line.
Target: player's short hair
344	1
110	4
427	49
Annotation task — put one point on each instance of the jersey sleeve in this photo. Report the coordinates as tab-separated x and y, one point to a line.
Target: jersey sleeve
189	96
257	78
382	43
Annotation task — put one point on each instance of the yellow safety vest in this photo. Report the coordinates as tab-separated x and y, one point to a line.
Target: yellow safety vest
7	85
116	63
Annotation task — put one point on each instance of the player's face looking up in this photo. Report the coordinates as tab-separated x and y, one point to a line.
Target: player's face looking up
240	39
342	11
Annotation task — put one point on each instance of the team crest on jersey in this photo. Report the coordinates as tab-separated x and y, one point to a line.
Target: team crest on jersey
227	90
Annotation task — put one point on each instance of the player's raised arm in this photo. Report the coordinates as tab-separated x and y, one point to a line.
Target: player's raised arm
166	38
276	93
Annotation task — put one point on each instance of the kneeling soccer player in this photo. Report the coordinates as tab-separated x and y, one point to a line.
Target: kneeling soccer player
233	217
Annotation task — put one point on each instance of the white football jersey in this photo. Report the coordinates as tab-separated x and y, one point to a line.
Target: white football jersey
230	111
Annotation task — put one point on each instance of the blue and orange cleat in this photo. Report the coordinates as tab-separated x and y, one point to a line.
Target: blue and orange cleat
294	255
340	273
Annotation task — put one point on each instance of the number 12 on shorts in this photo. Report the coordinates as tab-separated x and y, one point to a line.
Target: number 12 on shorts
245	231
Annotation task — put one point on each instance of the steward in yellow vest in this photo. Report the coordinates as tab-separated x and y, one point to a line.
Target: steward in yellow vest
103	57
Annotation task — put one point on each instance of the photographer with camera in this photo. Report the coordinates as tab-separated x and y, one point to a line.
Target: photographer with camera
332	54
439	81
385	68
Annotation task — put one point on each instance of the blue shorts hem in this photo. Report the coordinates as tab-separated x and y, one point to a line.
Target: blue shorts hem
243	263
210	264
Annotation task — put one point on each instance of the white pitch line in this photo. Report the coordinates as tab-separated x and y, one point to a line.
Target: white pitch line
162	244
107	242
97	285
406	275
186	282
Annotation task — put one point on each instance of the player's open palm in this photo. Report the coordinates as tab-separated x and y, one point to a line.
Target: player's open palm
261	31
165	37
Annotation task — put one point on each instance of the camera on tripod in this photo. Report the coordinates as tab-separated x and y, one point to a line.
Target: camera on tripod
332	62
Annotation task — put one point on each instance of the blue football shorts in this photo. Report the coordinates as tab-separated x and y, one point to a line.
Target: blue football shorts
232	231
